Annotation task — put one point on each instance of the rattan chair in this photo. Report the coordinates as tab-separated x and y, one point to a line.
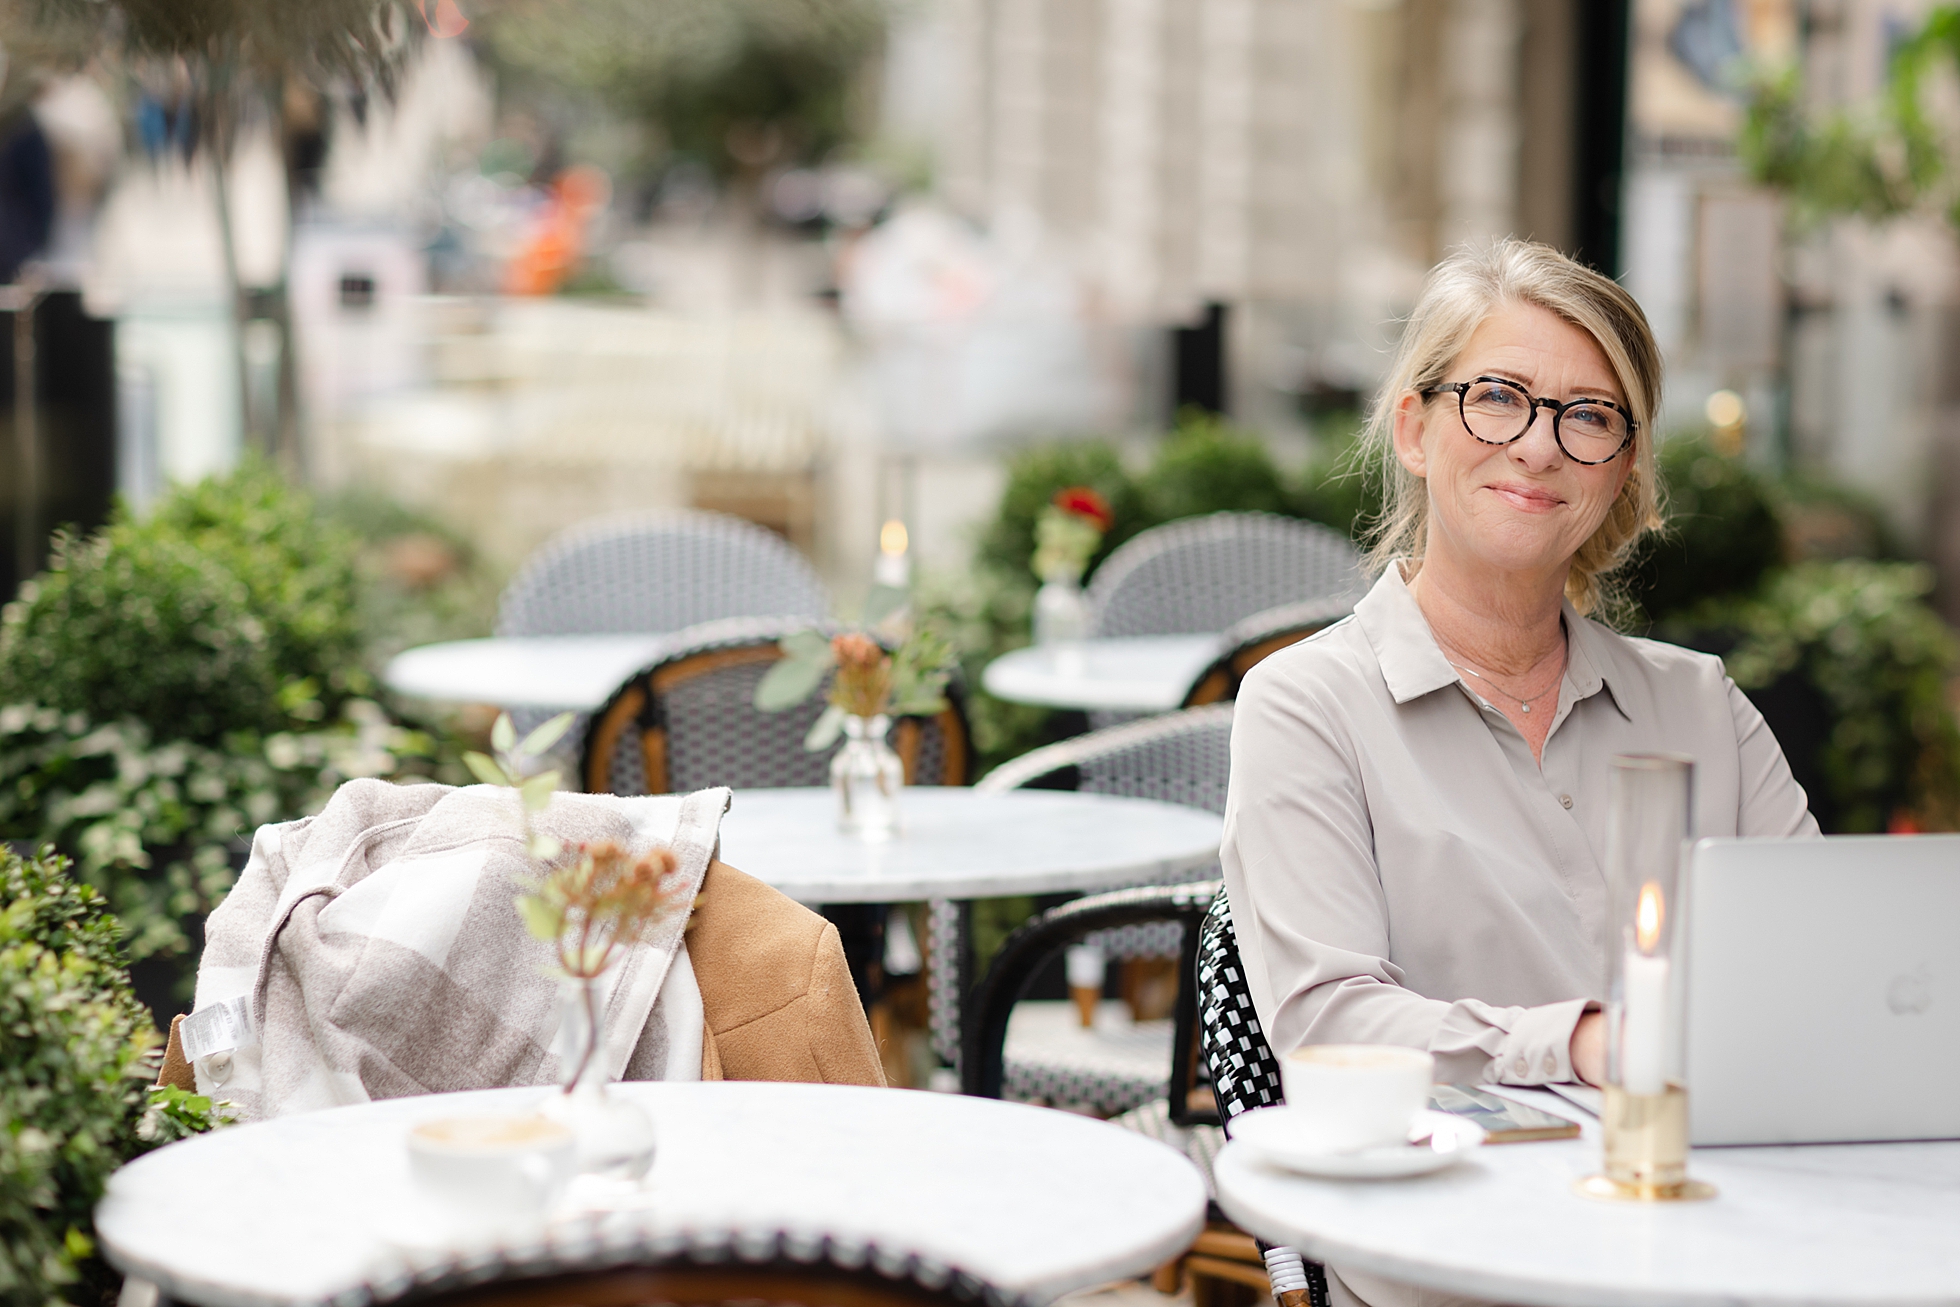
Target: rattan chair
694	1268
1182	757
1250	640
1204	574
655	572
690	721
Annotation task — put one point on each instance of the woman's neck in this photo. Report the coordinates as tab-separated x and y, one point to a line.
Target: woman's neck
1507	623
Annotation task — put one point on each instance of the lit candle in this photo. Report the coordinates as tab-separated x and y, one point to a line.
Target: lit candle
894	568
1643	1029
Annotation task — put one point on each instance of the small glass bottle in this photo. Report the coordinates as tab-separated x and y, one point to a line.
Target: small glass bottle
867	776
615	1137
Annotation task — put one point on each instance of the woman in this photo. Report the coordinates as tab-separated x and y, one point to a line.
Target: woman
1416	824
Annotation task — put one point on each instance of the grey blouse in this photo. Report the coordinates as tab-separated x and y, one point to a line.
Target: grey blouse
1402	871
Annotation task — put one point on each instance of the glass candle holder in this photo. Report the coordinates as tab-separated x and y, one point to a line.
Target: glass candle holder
1644	1120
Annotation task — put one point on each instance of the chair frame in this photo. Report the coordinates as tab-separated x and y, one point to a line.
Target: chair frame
738	642
1250	642
983	1064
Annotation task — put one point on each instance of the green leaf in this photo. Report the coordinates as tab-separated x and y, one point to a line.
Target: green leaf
486	771
542	919
791	681
538	790
546	735
504	734
825	730
545	847
810	644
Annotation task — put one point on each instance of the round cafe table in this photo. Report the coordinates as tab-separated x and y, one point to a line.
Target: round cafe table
1852	1225
957	844
960	843
1144	674
311	1209
549	673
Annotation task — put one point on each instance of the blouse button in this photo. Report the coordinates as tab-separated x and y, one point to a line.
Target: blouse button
1551	1064
1521	1067
1565	799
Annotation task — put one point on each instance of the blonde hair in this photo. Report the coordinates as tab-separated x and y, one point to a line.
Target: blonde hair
1461	292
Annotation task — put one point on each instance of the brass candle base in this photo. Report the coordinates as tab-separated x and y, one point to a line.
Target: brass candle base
1646	1149
1600	1186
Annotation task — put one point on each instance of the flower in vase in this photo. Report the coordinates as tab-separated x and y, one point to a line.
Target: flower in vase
1068	532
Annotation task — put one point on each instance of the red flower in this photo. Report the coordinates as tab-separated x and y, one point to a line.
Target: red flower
1084	502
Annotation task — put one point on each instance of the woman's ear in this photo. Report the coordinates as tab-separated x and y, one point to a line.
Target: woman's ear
1407	433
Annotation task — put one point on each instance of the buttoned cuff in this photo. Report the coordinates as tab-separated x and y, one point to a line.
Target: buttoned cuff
1538	1049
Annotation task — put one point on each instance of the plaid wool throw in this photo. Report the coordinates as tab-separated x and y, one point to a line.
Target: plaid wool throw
374	951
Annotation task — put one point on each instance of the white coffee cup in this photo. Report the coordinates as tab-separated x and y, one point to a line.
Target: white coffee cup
493	1170
1346	1097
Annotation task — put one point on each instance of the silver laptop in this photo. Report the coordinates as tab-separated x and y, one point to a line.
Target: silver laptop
1822	989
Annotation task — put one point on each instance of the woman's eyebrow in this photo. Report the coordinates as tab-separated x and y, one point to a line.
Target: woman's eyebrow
1608	392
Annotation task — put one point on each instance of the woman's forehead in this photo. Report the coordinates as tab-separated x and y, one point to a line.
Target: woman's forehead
1530	344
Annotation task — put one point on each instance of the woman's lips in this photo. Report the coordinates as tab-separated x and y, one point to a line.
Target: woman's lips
1526	498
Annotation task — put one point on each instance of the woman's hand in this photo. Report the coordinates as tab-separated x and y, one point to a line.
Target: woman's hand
1589	1048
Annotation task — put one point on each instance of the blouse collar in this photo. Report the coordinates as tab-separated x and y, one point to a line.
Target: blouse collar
1413	665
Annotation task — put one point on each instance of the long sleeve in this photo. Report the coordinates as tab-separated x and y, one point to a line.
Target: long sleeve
1312	916
1772	804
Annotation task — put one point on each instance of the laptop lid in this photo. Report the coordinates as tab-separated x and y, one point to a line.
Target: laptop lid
1822	989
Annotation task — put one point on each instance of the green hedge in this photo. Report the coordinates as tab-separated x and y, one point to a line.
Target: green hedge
74	1102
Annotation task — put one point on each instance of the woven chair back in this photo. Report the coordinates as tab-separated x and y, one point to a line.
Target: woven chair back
1204	574
1244	1072
654	572
690	722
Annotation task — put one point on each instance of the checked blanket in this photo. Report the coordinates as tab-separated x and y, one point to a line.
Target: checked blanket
373	951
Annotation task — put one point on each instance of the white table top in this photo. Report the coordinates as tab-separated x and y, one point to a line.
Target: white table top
1146	673
1823	1224
298	1210
960	843
552	672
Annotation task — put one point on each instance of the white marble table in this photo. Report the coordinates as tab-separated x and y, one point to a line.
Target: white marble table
548	672
301	1210
1148	673
1861	1225
959	843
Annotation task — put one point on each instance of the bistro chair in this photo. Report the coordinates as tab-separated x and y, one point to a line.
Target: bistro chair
690	721
1205	574
697	1268
1182	757
654	572
1250	640
1244	1073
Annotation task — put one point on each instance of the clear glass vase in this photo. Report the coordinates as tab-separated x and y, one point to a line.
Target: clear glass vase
1061	612
615	1137
867	776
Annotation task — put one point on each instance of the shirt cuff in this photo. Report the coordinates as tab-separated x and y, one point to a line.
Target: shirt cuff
1538	1049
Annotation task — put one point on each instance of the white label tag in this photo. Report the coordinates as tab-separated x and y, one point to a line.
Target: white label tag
217	1028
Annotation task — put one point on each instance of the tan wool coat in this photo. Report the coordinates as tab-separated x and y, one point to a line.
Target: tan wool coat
777	994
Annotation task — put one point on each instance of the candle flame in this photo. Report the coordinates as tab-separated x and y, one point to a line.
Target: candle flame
1647	918
892	539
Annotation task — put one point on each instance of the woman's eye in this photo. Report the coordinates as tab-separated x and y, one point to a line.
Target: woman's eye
1495	396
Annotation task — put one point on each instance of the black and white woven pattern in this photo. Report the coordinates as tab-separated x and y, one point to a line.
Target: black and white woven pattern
1244	1072
715	733
1204	574
654	572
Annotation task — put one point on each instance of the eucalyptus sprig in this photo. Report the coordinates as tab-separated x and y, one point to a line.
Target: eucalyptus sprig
909	681
511	767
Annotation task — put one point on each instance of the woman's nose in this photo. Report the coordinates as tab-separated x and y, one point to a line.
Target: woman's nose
1538	447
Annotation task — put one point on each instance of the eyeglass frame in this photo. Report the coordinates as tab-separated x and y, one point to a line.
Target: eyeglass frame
1461	389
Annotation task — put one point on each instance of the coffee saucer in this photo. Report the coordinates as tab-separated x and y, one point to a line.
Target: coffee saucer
1275	1135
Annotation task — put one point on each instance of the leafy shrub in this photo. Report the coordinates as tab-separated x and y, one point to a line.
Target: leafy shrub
72	1073
1209	466
298	568
1723	533
139	624
151	822
1033	477
1860	633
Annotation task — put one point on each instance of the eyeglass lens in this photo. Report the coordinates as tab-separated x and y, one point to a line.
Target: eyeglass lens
1498	412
